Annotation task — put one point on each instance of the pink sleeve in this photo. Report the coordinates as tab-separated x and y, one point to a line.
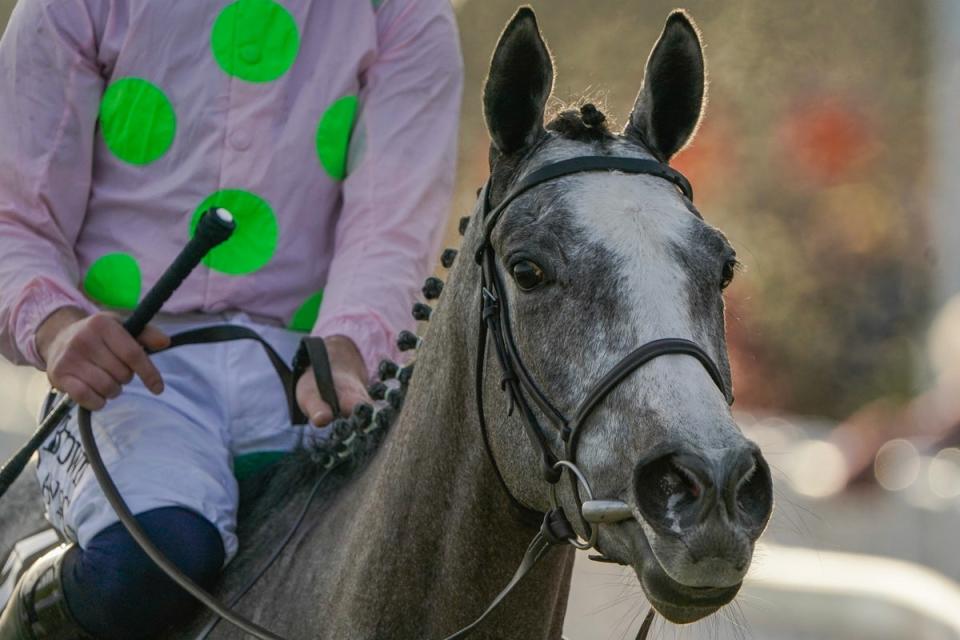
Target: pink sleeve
397	193
49	96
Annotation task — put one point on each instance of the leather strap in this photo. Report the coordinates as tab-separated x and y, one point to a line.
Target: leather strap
524	513
580	164
313	353
495	325
229	332
632	361
515	377
535	551
647	623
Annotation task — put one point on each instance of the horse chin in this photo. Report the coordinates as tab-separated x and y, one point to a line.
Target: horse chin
677	602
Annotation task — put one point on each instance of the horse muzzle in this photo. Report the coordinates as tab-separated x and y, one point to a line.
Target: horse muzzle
700	514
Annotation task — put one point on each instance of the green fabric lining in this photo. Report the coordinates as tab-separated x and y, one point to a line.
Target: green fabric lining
249	464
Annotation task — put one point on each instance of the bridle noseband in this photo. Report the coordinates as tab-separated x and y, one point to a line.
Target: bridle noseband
519	383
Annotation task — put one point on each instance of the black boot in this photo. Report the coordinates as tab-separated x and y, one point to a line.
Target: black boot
37	609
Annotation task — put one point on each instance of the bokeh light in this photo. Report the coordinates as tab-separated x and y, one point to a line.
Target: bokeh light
943	473
816	469
897	465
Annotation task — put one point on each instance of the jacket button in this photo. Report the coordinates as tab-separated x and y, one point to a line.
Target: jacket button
250	54
240	139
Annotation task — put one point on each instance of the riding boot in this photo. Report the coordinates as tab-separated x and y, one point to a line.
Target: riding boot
37	609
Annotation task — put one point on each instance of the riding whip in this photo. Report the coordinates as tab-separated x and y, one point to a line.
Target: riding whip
214	227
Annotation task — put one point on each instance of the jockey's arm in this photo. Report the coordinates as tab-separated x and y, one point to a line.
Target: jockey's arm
50	89
396	194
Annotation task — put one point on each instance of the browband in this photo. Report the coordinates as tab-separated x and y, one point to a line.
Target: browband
580	164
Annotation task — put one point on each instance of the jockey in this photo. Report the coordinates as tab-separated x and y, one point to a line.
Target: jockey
328	129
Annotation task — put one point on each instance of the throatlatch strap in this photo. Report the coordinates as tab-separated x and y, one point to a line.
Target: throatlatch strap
313	353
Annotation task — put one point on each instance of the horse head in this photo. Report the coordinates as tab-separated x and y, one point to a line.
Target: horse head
595	264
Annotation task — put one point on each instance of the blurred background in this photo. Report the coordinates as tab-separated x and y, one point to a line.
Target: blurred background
828	155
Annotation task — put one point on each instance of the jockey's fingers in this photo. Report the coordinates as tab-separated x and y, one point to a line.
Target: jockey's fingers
351	391
153	338
312	405
99	380
351	397
131	353
107	360
319	411
81	393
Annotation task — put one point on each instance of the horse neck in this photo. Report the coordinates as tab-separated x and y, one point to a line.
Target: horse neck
440	516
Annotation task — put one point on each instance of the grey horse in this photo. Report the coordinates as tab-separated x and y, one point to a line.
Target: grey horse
415	541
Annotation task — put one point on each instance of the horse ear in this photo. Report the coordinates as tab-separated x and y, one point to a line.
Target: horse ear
671	99
518	85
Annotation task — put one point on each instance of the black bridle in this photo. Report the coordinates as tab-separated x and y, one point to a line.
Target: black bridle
516	378
519	384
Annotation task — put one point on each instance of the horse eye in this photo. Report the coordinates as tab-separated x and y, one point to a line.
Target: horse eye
528	274
728	270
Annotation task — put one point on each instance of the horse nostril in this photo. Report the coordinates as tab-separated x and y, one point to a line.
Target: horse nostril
750	489
684	481
680	490
669	489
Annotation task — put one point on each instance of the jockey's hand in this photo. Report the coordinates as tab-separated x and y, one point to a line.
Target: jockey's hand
91	357
349	379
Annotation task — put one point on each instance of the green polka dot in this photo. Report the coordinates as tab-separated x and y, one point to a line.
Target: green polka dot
358	146
306	316
252	244
113	280
248	464
137	120
255	40
333	135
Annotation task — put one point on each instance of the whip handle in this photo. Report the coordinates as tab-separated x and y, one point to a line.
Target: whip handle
214	227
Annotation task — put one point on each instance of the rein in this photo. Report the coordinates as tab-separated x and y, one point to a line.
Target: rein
521	387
